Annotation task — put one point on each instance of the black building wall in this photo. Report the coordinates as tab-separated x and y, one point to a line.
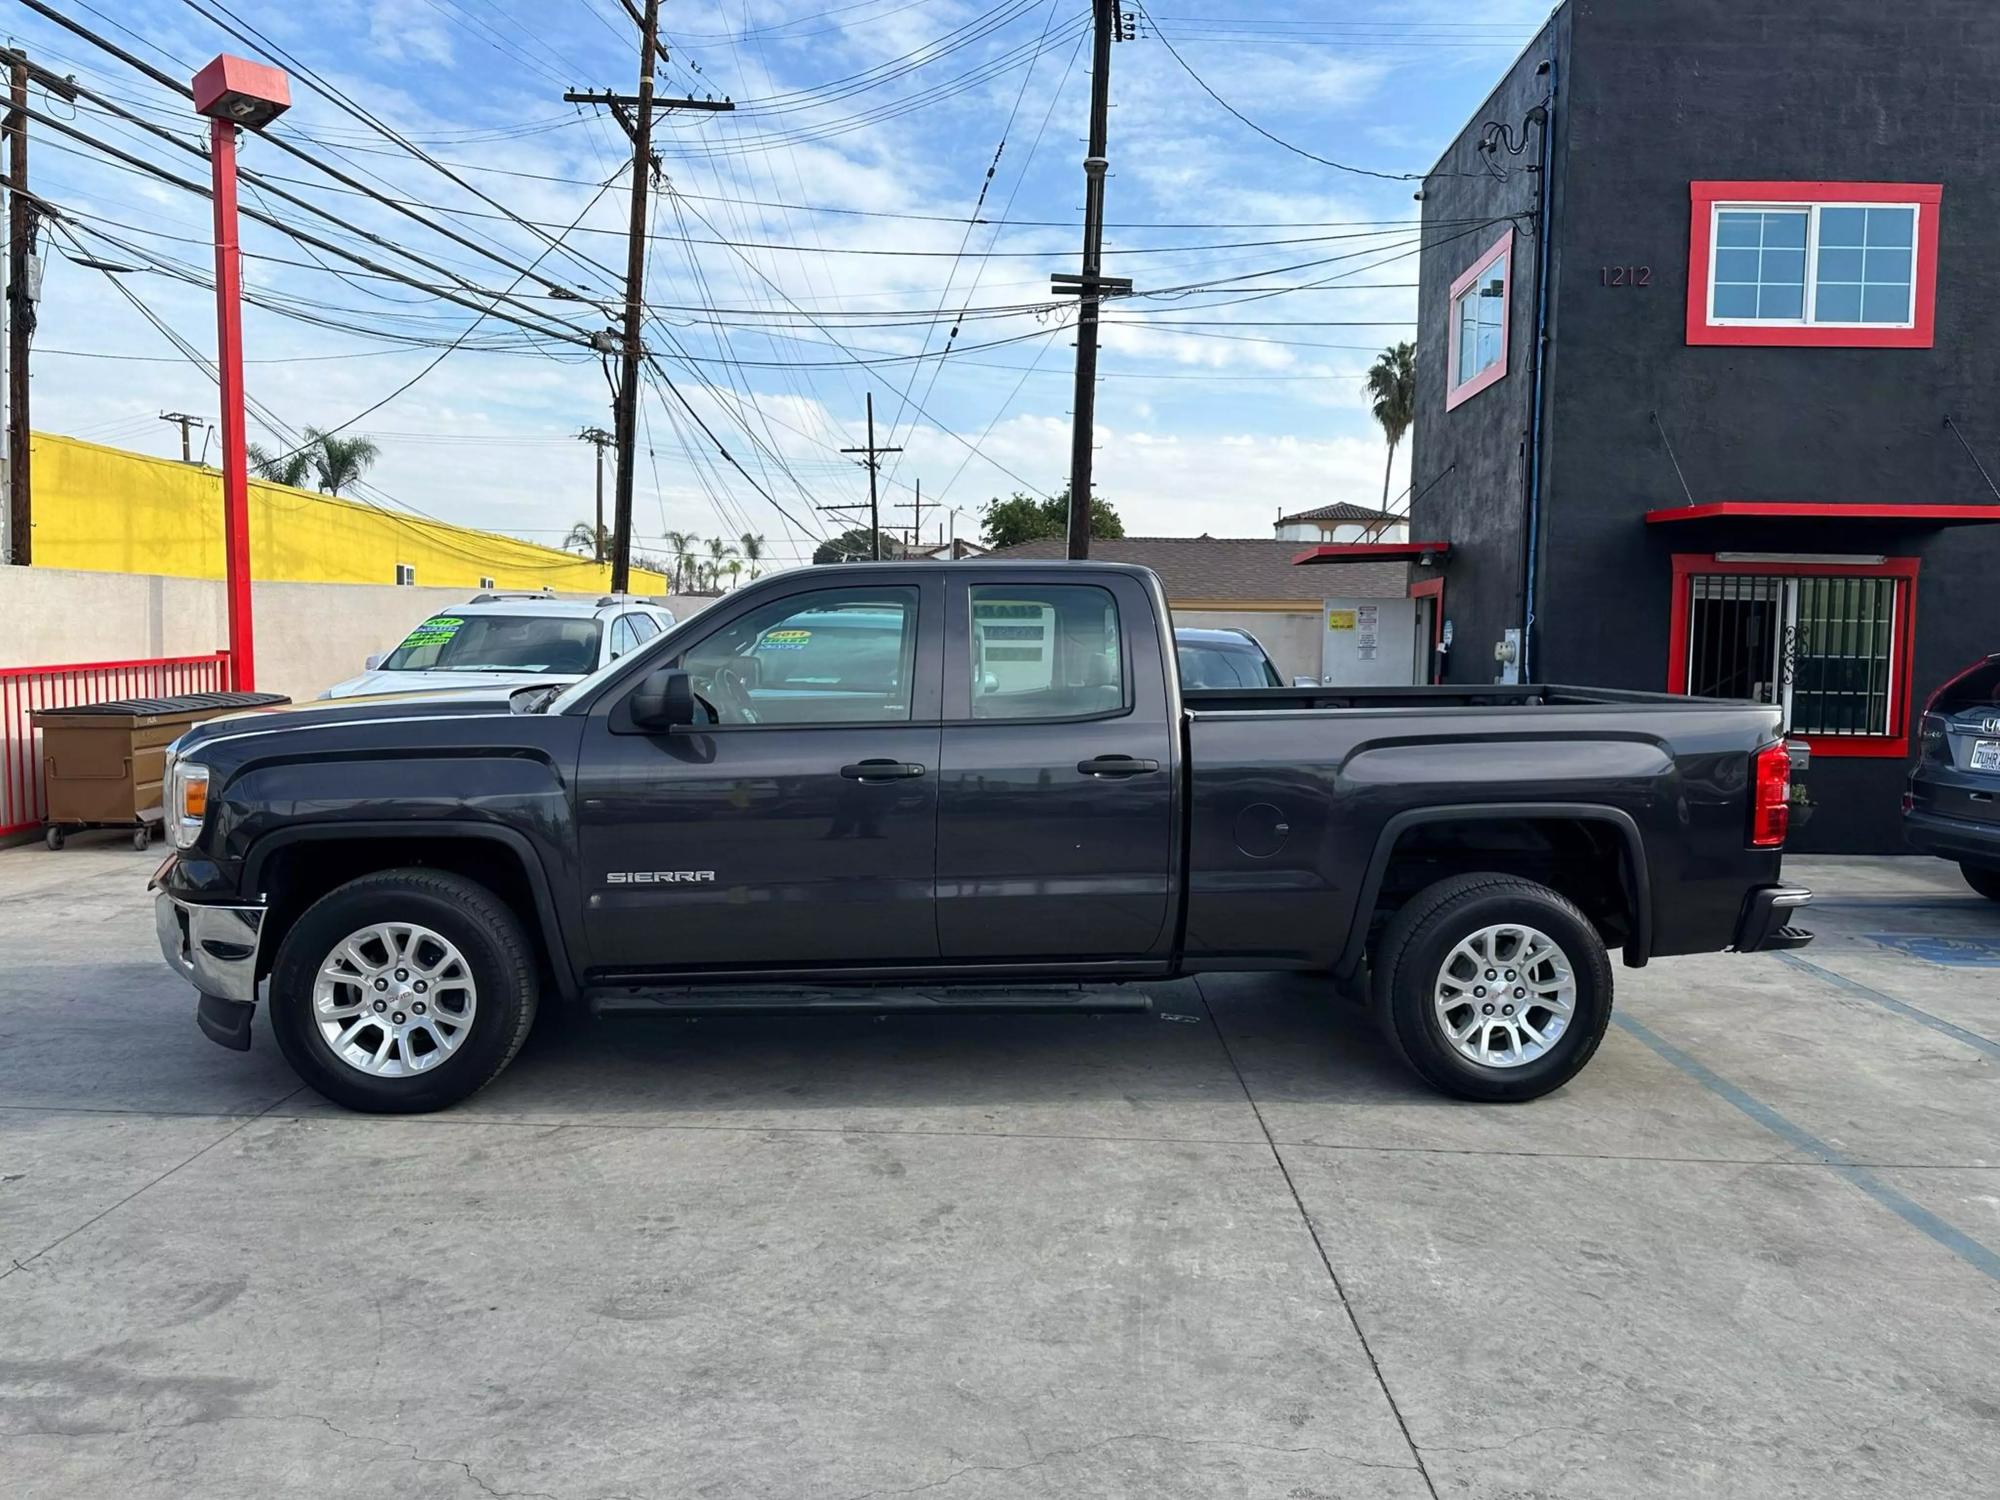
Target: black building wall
1468	466
1653	97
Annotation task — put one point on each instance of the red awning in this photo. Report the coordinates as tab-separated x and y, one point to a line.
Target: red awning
1348	552
1788	510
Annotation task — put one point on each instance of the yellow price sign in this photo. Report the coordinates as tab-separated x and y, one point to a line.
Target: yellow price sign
1340	619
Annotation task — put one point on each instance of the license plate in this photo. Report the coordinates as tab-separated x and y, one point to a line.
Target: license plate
1986	755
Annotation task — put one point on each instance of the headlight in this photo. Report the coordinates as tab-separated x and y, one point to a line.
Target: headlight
186	801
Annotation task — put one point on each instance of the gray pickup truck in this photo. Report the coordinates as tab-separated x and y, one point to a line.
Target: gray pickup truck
953	786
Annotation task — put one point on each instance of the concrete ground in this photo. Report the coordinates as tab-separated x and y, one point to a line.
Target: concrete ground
1225	1249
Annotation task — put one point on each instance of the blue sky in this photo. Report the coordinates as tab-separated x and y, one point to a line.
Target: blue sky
1219	405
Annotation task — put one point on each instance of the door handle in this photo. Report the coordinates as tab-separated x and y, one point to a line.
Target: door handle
882	770
1117	765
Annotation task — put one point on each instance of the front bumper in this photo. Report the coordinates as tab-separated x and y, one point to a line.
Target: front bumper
1765	924
214	948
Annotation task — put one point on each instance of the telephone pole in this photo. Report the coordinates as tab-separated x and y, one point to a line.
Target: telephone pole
634	114
873	464
599	439
916	508
24	274
1092	286
185	421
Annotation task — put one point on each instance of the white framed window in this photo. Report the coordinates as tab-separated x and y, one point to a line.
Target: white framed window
1476	338
1834	264
406	575
1841	265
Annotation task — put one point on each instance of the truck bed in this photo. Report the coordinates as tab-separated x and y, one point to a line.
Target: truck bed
1496	695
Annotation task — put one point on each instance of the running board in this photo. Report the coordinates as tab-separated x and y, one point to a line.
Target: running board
711	999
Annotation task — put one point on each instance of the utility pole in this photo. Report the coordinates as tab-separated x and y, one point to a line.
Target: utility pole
916	508
1092	286
600	439
634	114
23	288
873	464
185	421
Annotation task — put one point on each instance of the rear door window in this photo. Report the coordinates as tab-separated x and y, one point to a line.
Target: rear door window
1046	651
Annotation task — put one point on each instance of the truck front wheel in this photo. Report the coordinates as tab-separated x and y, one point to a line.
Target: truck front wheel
403	991
1492	987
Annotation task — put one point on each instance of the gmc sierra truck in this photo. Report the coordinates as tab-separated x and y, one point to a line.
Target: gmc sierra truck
953	786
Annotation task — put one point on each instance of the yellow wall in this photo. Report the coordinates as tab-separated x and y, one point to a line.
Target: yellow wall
108	511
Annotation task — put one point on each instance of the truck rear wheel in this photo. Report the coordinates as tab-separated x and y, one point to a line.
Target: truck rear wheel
1492	987
403	991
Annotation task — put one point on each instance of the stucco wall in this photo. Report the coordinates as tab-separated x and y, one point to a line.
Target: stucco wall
308	635
107	510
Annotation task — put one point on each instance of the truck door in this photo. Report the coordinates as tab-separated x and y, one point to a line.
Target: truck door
798	829
1057	800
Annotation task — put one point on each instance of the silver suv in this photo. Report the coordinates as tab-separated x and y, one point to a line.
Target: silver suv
510	640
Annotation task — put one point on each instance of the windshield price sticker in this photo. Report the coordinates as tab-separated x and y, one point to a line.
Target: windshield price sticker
433	632
785	640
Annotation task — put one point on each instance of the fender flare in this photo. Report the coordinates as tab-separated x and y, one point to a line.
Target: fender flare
406	831
1637	879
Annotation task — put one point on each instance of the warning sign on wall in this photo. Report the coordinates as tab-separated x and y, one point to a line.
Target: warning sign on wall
1340	619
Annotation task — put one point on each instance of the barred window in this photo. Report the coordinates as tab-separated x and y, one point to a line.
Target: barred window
1824	648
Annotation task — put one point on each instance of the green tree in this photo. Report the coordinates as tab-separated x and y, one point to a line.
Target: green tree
1025	518
293	467
853	545
753	551
339	462
1392	396
719	552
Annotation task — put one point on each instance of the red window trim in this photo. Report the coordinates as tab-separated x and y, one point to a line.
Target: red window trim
1894	744
1458	395
1705	195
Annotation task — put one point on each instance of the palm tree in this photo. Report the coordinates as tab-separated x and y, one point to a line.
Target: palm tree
753	551
680	544
1392	391
588	538
340	461
718	551
293	467
734	570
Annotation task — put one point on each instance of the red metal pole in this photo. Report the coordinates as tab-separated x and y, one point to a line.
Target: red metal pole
229	362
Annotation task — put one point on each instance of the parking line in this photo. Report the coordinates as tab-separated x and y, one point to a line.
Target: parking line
1956	1240
1889	1002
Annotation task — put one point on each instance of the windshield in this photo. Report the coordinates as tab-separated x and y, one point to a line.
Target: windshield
1209	666
547	645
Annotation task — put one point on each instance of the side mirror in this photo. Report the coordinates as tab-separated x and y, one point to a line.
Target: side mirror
373	662
664	700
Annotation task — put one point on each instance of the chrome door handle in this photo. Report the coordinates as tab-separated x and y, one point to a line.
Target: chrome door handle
882	770
1117	765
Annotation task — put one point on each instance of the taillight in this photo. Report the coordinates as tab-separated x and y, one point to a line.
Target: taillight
1771	801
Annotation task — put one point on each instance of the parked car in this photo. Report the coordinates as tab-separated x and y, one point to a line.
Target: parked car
1016	805
1952	807
507	640
1225	657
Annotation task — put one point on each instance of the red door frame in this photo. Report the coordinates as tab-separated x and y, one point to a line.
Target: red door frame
1432	588
1902	651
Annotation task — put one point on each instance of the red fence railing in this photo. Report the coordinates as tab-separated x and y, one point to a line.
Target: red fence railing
23	801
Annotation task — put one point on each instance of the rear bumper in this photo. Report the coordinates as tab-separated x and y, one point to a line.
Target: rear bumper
1952	838
1765	923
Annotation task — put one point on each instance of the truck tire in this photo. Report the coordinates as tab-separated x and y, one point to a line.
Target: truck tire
1982	879
403	991
1492	987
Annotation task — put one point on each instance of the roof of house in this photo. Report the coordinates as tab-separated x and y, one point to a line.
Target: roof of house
1229	568
1340	510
